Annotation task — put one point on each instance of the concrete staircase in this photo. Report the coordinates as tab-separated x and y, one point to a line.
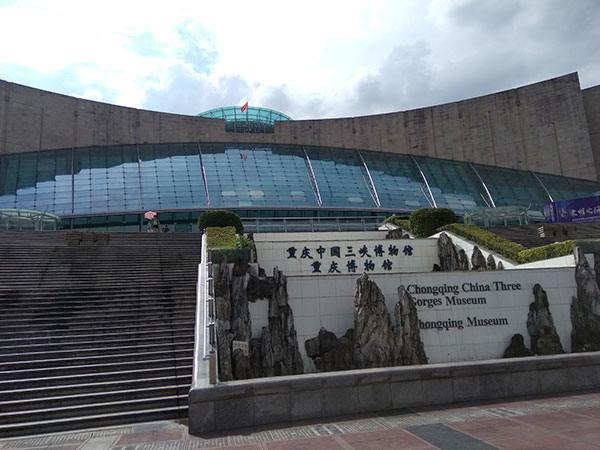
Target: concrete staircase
96	333
528	235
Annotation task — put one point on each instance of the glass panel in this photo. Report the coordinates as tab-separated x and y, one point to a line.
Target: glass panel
244	175
453	184
339	174
510	187
398	184
171	176
562	188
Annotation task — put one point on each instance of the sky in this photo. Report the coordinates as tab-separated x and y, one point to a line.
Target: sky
309	59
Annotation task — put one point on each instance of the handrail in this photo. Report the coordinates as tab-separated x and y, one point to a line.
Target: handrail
205	336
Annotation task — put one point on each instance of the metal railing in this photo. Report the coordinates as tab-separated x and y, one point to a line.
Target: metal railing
205	329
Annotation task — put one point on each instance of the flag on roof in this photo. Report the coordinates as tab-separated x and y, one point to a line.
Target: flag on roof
245	107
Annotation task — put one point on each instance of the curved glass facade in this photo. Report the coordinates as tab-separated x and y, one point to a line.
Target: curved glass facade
262	180
251	120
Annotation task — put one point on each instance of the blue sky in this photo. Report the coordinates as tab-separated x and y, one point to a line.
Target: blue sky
309	59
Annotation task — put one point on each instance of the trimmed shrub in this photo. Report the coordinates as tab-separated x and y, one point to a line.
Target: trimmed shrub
546	252
485	239
424	222
400	221
221	237
220	218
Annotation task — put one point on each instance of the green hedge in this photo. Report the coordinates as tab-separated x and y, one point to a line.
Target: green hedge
546	252
221	237
485	239
220	218
507	248
400	221
425	221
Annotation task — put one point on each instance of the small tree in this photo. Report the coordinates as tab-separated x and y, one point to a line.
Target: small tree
424	222
220	218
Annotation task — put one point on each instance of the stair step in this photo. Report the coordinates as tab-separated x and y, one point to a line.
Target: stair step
48	334
92	409
82	389
105	358
24	405
95	335
141	349
90	378
97	420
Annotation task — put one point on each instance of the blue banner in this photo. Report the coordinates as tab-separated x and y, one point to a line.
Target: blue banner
574	210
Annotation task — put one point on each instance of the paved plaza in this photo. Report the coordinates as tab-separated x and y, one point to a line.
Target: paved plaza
565	422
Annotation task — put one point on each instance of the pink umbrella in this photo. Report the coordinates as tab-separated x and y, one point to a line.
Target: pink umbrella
150	214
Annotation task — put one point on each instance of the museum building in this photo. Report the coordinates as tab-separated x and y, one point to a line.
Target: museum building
100	167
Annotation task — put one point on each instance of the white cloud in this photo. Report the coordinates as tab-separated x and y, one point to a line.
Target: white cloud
92	94
315	58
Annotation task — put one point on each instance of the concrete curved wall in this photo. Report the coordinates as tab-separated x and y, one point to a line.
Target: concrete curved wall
541	127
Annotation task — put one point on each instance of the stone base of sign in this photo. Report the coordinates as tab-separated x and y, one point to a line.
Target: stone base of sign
246	403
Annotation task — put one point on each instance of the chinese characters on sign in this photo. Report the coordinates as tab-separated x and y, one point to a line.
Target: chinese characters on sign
574	210
376	257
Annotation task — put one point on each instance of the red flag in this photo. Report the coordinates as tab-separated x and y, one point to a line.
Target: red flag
245	107
244	156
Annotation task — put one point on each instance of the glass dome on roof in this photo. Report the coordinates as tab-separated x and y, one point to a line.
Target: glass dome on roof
252	120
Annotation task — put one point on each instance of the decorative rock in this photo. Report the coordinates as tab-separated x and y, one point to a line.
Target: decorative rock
540	325
276	352
396	233
500	266
597	267
241	365
585	308
259	288
447	254
241	325
491	263
478	261
463	260
223	326
408	336
266	352
281	355
374	340
330	353
517	348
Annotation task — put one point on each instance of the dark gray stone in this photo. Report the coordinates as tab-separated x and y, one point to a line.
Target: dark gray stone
306	404
408	336
241	325
442	436
375	397
540	325
463	260
330	353
500	266
517	348
223	325
271	408
478	261
281	355
242	369
585	307
491	262
260	288
234	413
447	254
406	394
374	339
340	401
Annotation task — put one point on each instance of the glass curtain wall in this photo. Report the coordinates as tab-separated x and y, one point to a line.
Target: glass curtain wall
258	181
